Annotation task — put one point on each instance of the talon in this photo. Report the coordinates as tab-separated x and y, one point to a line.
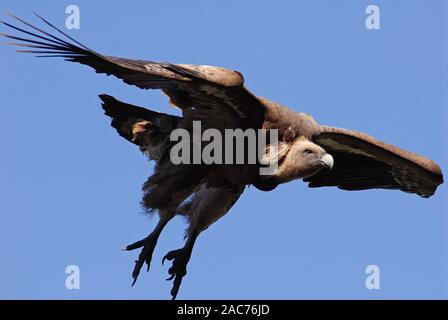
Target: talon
137	244
171	277
178	269
169	256
176	287
145	255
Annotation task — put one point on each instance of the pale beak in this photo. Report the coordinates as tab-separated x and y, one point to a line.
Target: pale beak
327	160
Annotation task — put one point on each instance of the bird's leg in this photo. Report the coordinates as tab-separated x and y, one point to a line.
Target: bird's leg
148	244
180	259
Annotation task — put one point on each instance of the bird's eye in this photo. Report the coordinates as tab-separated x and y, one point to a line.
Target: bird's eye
308	151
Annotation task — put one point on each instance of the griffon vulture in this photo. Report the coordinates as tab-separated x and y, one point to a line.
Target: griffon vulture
320	155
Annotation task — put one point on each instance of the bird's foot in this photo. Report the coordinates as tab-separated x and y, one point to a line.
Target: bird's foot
148	244
178	270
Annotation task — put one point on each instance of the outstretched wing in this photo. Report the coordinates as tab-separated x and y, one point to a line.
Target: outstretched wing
215	95
362	162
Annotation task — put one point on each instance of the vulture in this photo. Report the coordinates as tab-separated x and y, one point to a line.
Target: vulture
322	156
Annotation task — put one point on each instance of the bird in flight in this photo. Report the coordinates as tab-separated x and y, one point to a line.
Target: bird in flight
217	97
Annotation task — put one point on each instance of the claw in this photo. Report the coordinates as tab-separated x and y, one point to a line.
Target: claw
178	269
169	256
172	273
176	286
148	244
137	244
145	255
171	277
136	271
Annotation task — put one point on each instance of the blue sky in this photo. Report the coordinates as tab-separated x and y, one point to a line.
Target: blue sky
70	185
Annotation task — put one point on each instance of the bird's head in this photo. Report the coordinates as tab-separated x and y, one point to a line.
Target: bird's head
303	159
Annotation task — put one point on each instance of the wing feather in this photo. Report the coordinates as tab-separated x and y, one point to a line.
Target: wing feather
215	92
363	162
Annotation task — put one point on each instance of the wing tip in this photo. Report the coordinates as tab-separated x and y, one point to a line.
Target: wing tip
108	103
105	97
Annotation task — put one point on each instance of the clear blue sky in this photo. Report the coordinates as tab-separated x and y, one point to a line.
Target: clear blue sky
70	185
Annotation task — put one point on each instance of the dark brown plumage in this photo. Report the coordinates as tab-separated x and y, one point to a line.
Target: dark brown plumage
218	98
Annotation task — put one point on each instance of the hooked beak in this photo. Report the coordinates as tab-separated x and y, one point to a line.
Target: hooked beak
327	160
